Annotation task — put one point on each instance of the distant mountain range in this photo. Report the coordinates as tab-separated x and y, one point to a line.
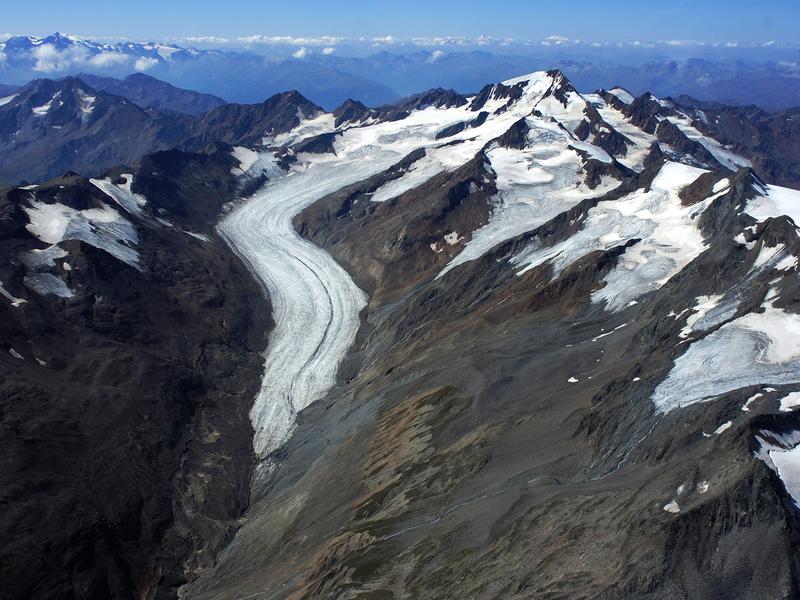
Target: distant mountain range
50	127
769	78
149	92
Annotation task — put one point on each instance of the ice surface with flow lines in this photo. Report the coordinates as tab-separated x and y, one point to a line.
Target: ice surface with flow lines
315	303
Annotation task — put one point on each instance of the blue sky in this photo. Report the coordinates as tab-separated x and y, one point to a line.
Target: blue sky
597	20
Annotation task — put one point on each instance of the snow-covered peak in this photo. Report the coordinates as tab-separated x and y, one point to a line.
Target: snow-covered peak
528	79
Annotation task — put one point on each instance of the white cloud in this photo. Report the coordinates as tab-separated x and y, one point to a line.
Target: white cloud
301	52
108	59
144	63
4	37
48	58
679	43
387	39
325	40
435	55
202	39
558	40
328	50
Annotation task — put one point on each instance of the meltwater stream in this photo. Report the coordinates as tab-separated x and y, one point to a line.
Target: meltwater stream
315	303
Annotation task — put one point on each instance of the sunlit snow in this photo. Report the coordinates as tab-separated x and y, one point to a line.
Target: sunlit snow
668	232
757	348
103	228
122	194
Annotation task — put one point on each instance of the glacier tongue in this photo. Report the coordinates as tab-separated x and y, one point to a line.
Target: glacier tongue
315	303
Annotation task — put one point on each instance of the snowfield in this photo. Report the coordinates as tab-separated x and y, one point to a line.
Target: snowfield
667	231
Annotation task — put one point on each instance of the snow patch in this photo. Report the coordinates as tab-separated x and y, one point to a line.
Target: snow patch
122	194
775	202
15	302
42	110
750	400
246	158
790	401
86	103
703	305
781	453
721	185
47	283
452	238
723	428
622	94
102	228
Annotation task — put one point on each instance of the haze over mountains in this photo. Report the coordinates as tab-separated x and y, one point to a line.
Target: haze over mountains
378	71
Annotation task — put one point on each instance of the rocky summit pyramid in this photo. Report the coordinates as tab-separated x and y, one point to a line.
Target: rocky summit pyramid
527	343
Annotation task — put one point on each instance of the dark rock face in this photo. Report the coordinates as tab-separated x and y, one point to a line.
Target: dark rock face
352	111
459	127
770	140
670	134
126	440
249	124
496	91
149	92
439	98
318	144
51	127
643	112
601	134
